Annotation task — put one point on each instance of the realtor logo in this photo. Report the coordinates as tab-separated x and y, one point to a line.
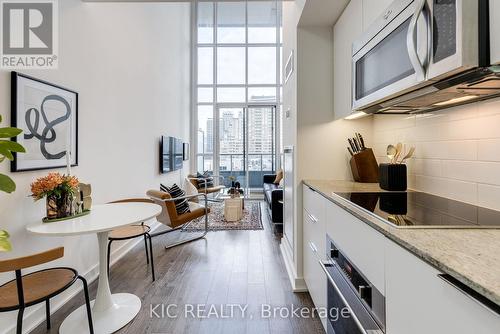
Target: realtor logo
29	34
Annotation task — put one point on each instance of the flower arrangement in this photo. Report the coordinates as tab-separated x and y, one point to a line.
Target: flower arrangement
60	190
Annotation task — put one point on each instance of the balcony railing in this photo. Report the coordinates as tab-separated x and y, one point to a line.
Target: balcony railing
234	165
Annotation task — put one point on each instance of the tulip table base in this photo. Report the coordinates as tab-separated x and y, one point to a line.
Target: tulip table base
110	312
124	309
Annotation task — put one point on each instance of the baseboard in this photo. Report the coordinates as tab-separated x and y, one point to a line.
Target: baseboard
35	315
298	283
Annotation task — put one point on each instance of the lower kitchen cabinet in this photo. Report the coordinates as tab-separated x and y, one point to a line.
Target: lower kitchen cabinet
418	298
419	301
314	244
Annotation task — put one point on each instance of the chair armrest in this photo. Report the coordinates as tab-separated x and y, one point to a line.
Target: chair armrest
269	178
276	195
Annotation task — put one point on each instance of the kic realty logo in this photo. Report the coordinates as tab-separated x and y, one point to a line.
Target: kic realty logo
29	34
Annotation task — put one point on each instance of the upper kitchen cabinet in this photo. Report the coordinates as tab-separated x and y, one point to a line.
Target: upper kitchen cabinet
373	9
495	31
346	30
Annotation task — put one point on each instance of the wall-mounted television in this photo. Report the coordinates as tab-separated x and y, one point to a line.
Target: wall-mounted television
171	154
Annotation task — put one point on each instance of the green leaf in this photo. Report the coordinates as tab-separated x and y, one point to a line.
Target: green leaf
4	234
9	132
12	146
6	184
2	159
5	152
0	118
5	245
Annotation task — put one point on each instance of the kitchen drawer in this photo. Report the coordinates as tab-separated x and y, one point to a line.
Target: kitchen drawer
363	245
314	204
419	301
314	276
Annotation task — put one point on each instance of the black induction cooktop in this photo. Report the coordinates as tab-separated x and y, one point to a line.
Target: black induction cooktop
414	209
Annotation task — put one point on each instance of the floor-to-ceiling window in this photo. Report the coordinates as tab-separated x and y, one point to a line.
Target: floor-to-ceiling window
238	88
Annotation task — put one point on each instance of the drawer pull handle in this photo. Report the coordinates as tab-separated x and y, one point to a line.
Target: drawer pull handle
471	294
313	247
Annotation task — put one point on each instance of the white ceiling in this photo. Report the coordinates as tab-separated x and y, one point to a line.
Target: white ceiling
322	12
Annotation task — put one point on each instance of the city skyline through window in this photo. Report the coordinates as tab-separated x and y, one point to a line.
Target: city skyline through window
238	49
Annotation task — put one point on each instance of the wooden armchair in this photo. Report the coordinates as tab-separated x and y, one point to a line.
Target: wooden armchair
170	218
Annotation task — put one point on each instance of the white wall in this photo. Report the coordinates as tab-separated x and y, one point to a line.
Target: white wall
130	64
457	150
320	142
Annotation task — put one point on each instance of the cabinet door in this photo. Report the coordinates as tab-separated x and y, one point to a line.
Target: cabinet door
313	273
372	9
495	31
345	31
418	301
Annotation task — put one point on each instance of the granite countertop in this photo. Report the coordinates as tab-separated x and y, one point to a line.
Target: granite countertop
472	256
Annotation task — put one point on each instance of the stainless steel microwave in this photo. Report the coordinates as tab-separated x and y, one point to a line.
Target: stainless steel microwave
415	44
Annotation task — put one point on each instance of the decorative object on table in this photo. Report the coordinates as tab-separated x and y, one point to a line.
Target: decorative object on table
84	202
7	150
48	115
251	219
393	175
364	166
233	180
59	191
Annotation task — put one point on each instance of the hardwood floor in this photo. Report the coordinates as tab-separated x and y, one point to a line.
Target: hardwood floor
228	267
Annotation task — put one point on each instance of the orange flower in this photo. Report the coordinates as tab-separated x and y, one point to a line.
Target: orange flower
53	181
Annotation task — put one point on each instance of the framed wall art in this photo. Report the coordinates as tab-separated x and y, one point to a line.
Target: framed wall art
48	116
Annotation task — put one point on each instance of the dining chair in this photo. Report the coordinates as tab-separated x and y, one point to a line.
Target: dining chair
39	286
176	222
132	232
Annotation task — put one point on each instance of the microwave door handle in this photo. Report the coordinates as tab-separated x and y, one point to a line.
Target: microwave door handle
411	42
346	303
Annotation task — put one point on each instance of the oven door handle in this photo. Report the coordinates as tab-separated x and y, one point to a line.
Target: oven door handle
411	43
346	303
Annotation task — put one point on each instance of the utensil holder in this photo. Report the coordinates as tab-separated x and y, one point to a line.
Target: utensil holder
393	177
364	167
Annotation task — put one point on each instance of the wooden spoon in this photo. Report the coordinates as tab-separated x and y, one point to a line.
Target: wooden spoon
408	155
391	152
399	149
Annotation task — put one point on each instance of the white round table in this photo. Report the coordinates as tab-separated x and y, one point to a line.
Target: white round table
110	312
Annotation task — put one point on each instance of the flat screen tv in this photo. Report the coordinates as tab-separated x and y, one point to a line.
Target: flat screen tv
171	153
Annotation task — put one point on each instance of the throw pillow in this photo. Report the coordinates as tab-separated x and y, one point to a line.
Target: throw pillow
181	205
190	189
282	181
279	176
205	180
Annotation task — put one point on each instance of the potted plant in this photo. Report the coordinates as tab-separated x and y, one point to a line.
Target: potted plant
59	191
6	183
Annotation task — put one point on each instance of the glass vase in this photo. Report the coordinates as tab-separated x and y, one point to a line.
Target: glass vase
59	206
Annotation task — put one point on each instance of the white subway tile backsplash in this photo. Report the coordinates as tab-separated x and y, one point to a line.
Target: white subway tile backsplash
447	150
459	190
426	167
457	150
488	196
488	150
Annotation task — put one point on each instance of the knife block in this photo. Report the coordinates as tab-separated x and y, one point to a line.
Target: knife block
364	167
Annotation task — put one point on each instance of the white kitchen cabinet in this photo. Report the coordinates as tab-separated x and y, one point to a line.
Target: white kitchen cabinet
314	241
363	245
346	30
372	9
495	31
418	301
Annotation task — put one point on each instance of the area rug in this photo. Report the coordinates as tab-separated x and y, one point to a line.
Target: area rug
251	219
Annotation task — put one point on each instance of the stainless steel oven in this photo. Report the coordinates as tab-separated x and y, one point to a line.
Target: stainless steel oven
354	305
414	44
